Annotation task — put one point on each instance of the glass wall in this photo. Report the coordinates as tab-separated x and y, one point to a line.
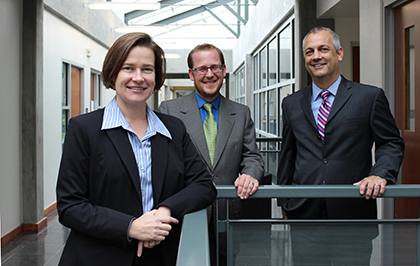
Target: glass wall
274	79
65	100
240	86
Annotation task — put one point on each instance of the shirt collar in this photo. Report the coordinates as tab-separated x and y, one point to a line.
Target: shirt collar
201	101
332	89
113	118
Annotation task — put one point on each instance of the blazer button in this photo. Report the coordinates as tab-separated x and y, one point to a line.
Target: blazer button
324	161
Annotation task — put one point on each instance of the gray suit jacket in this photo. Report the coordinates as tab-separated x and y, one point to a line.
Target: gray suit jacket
359	117
236	151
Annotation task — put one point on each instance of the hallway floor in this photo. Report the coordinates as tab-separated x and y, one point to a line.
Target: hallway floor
37	249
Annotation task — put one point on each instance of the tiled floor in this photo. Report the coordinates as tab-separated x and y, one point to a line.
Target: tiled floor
40	249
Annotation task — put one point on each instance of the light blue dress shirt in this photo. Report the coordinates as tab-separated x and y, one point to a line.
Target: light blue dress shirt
203	112
316	99
142	149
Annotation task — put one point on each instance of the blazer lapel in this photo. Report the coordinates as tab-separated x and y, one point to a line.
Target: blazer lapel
122	144
192	120
305	103
225	125
343	94
159	162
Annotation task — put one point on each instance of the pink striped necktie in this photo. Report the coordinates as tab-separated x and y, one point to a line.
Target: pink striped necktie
323	113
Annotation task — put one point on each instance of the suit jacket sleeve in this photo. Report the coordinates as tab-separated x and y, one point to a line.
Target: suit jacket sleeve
287	156
389	146
252	163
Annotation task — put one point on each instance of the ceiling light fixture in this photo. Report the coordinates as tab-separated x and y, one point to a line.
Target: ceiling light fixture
136	6
141	29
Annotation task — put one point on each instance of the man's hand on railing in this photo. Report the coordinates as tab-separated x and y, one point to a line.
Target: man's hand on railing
246	185
374	186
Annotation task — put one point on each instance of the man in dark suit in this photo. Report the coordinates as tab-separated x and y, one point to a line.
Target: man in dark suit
336	147
236	158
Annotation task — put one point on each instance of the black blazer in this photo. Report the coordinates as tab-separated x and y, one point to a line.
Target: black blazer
359	117
98	190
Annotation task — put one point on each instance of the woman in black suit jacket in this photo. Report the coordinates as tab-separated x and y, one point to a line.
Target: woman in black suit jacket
127	174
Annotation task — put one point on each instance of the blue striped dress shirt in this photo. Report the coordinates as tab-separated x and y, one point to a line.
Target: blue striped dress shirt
142	149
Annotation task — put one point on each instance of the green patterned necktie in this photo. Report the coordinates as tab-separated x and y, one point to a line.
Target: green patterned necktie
210	130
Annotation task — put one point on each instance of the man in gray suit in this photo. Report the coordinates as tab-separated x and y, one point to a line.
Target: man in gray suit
328	140
236	158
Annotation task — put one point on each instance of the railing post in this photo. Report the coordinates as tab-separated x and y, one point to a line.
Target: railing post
229	237
217	231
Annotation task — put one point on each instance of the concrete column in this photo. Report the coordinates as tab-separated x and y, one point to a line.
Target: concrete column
371	42
32	115
306	19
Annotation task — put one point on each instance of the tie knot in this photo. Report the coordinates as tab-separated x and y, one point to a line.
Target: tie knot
325	94
207	107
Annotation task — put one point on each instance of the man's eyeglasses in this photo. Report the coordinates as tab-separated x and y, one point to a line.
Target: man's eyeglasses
203	70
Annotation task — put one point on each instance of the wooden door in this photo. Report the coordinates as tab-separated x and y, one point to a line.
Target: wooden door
76	90
407	98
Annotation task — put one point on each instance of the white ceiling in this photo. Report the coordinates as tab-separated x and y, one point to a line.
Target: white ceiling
188	23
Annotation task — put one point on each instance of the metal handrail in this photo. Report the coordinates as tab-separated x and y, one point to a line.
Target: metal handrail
308	191
194	248
319	191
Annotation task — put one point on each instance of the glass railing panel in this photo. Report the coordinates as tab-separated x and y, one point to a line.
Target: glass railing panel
329	237
275	241
325	244
194	243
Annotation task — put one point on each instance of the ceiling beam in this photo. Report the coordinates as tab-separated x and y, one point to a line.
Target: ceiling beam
222	22
197	10
178	17
236	14
137	13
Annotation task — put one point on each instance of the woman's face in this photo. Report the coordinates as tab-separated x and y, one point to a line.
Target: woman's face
136	80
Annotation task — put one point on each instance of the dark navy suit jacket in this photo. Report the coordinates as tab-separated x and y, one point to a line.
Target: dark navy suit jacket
359	117
99	193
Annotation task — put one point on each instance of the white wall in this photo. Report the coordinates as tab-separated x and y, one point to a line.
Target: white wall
10	76
62	42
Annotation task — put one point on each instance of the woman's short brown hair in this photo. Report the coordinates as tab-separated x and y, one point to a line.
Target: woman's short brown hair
119	51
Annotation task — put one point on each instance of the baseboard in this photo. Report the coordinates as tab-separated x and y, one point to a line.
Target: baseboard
35	228
50	209
11	235
28	228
